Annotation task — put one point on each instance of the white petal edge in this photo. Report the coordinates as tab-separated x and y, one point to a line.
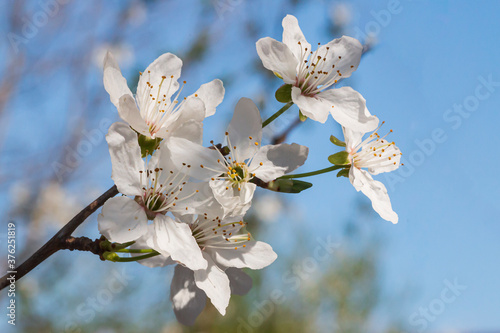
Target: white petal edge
292	35
146	241
277	57
245	130
348	108
168	65
375	191
212	94
277	160
202	161
176	239
215	283
345	53
122	220
128	111
312	107
255	255
114	82
126	161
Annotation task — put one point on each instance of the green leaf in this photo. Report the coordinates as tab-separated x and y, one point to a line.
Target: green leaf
336	141
302	117
343	173
340	158
288	185
284	93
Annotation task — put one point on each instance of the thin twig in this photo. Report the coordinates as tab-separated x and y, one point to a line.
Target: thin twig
61	240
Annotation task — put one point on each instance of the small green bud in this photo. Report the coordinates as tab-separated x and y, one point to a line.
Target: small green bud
343	173
111	256
340	158
302	117
287	185
284	93
148	145
336	141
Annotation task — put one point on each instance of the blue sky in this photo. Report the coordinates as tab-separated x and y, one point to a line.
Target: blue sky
432	58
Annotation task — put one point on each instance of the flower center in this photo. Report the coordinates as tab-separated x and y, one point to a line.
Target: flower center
162	191
238	173
375	152
234	171
318	71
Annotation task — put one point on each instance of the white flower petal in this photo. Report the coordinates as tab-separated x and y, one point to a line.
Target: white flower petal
188	123
255	255
168	65
246	193
122	220
349	109
292	35
205	202
193	108
375	191
126	159
191	130
215	283
245	129
212	94
188	300
277	160
176	239
344	53
146	241
185	152
128	111
386	165
352	138
114	82
234	202
239	281
312	107
189	200
277	57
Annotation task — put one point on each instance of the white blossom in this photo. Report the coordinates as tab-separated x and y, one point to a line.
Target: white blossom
312	73
155	186
226	248
229	176
377	155
157	110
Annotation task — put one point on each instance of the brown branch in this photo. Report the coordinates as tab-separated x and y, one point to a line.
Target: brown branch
83	244
62	240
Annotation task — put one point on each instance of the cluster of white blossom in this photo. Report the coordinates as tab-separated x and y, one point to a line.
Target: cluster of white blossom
183	204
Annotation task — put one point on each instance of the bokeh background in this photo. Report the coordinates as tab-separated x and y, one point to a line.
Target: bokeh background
431	71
